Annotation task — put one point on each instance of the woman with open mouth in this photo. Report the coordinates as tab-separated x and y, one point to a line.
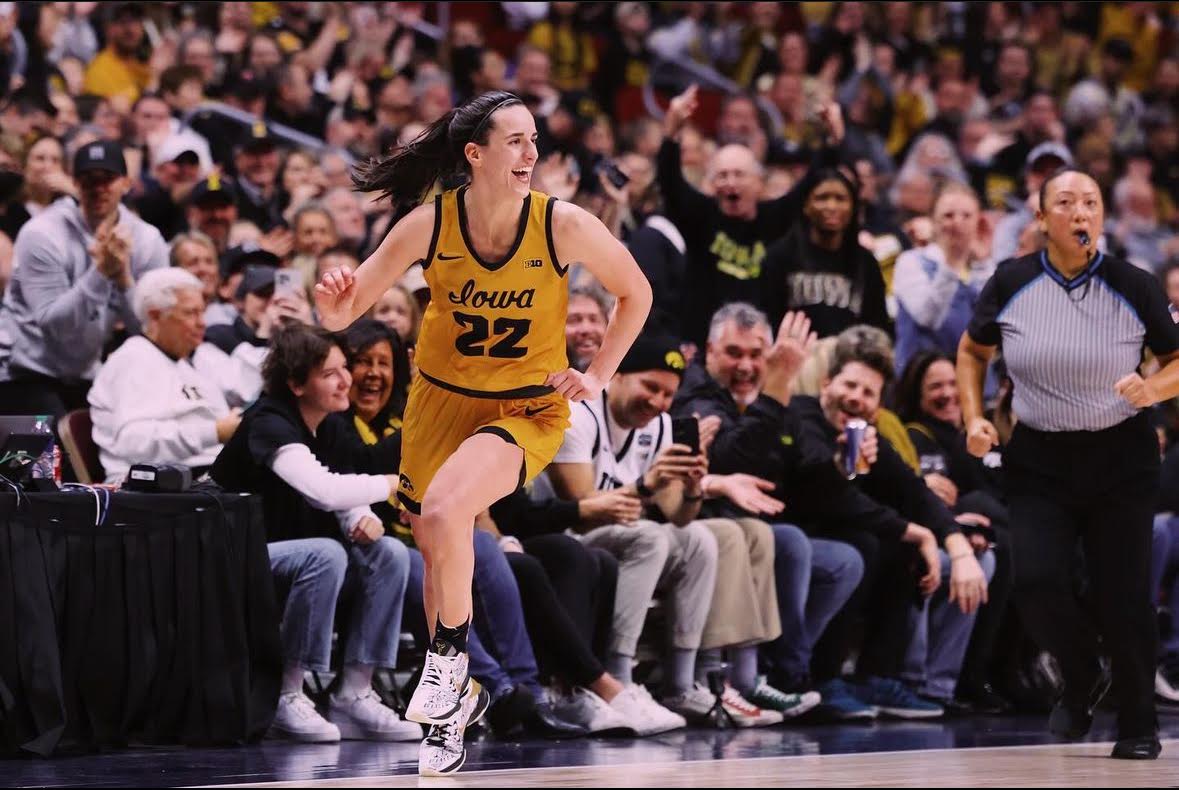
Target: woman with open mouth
1083	461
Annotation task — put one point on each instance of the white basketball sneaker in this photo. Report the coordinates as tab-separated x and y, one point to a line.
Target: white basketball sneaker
442	752
439	694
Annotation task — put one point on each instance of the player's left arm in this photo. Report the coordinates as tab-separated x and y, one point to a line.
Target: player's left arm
580	237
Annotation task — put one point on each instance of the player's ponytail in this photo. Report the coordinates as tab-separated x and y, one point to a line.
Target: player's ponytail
410	171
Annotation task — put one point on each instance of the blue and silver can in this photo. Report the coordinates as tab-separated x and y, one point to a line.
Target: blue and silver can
853	461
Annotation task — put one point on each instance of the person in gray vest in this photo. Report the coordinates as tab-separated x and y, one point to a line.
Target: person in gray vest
75	268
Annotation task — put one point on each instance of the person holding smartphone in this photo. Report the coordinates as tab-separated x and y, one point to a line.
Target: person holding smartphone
719	573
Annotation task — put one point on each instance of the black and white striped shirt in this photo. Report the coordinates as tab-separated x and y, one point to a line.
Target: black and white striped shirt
1067	342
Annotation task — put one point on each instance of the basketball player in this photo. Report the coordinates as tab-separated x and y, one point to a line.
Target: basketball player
489	407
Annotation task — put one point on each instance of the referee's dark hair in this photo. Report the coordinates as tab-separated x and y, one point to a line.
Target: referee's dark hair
296	350
867	345
1057	174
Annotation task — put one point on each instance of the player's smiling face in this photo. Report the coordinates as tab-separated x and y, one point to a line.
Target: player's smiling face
510	153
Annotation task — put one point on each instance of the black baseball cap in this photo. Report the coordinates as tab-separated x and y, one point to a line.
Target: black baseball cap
213	188
100	155
257	137
257	280
235	259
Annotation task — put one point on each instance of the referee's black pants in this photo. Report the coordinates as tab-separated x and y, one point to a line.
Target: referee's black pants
1099	486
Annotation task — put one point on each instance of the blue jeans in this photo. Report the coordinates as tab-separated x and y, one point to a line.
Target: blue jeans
815	578
1165	557
312	574
497	643
940	635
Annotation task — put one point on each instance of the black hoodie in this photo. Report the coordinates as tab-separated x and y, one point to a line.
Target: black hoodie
892	482
768	440
836	289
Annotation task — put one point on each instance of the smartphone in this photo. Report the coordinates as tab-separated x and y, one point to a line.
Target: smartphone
287	282
686	431
616	177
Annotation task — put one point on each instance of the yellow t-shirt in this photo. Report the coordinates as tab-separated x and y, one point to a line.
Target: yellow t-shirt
493	329
109	75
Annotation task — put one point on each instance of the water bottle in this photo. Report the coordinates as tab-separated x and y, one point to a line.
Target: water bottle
44	466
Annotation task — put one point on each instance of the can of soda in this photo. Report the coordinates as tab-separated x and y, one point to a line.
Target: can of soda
853	460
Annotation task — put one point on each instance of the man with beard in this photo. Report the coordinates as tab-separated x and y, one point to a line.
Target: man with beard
75	269
122	68
585	323
893	602
745	382
727	235
212	209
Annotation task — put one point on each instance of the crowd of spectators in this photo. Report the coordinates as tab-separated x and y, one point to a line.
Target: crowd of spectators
817	193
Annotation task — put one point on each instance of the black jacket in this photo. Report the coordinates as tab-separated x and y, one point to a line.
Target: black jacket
767	439
891	482
941	448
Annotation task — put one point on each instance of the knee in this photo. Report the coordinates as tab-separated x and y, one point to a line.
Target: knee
529	573
390	555
730	539
701	546
846	565
1038	583
442	520
791	546
759	537
650	543
571	556
327	559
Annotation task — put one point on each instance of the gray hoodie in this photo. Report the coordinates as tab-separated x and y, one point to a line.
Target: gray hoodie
59	310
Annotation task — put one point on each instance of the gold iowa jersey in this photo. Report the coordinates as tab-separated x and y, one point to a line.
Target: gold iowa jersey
493	329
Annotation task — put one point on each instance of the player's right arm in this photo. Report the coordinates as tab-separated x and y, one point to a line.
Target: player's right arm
342	295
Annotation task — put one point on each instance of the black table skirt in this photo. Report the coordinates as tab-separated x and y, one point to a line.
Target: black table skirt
158	626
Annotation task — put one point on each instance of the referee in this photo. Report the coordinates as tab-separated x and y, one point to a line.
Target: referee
1083	460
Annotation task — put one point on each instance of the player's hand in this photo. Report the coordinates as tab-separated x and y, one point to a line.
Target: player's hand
335	296
981	436
1137	391
573	384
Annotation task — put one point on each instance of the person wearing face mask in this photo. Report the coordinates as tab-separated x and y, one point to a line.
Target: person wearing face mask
293	450
937	285
820	268
1083	462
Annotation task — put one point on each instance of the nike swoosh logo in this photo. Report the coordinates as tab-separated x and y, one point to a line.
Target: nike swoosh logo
444	257
533	412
